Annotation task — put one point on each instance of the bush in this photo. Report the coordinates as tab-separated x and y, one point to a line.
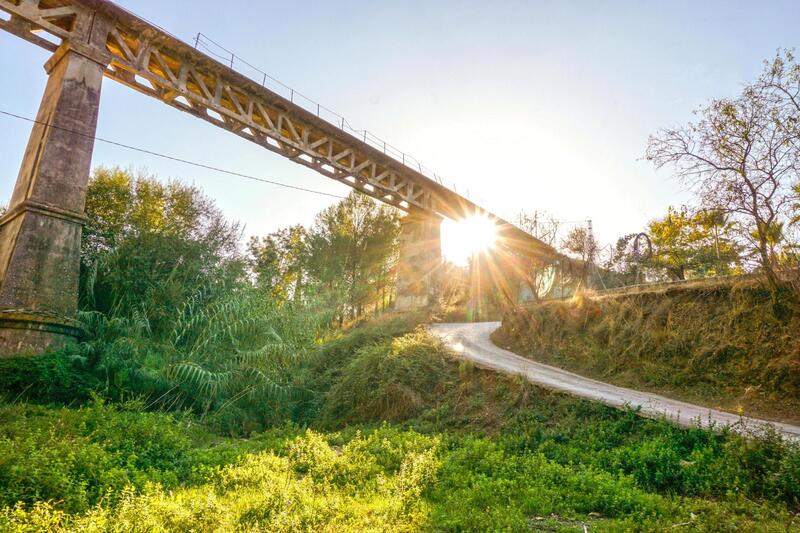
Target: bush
79	456
479	476
314	486
326	366
56	377
392	380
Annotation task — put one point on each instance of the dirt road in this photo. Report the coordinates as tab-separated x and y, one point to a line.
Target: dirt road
472	342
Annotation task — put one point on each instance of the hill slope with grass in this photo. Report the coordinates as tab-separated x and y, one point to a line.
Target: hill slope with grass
723	346
397	436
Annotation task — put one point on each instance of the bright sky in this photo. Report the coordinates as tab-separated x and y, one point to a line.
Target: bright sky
534	105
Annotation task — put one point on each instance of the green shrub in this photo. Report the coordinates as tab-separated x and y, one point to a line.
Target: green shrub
313	487
56	377
79	456
327	364
392	380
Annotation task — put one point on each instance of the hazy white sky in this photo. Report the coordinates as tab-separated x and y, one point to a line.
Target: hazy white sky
534	105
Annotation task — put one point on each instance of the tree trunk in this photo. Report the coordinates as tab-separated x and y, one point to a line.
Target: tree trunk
766	262
298	287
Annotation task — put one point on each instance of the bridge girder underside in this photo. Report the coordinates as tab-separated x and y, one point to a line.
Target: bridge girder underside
92	39
151	61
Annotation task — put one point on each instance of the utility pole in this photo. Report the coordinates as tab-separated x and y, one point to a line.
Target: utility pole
589	250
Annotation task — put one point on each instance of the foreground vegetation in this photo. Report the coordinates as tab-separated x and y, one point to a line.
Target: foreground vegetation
396	436
217	390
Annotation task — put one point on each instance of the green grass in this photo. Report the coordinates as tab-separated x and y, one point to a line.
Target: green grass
401	438
367	479
301	483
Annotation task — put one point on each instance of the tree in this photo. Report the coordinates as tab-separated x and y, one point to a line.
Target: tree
698	244
537	274
791	253
455	290
795	220
726	252
121	206
279	261
781	80
352	251
740	158
151	244
627	259
168	310
344	262
581	242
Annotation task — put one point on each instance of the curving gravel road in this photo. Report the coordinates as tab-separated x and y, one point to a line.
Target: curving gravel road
471	342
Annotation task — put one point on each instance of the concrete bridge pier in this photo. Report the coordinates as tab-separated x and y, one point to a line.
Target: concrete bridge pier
40	234
419	268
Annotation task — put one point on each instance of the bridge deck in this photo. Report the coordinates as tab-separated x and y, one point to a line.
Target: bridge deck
153	62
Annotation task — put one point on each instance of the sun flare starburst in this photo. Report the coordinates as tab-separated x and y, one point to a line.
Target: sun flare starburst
462	239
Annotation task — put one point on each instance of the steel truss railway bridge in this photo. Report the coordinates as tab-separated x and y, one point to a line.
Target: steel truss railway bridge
95	39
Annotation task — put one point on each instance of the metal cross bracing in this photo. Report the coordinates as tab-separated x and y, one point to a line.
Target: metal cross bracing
236	62
151	61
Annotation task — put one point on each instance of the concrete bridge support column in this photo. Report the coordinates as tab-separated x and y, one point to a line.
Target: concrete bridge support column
419	268
40	235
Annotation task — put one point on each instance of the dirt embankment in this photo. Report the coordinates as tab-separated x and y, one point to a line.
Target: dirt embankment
722	346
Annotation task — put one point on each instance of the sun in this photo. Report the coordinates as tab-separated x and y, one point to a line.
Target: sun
461	239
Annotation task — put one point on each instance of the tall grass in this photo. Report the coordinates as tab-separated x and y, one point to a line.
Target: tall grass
227	355
391	380
231	356
723	347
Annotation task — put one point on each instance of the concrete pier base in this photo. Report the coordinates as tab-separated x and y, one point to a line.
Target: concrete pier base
40	235
419	268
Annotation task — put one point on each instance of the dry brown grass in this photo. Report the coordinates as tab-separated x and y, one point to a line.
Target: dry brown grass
722	345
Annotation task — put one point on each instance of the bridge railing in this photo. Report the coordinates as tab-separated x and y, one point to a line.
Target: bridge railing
205	44
225	56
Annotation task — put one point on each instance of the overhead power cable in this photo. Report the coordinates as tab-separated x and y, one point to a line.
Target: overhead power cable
173	158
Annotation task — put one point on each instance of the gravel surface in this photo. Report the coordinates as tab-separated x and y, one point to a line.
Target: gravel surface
471	342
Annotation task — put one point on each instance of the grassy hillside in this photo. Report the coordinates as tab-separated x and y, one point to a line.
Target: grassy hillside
722	346
399	437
